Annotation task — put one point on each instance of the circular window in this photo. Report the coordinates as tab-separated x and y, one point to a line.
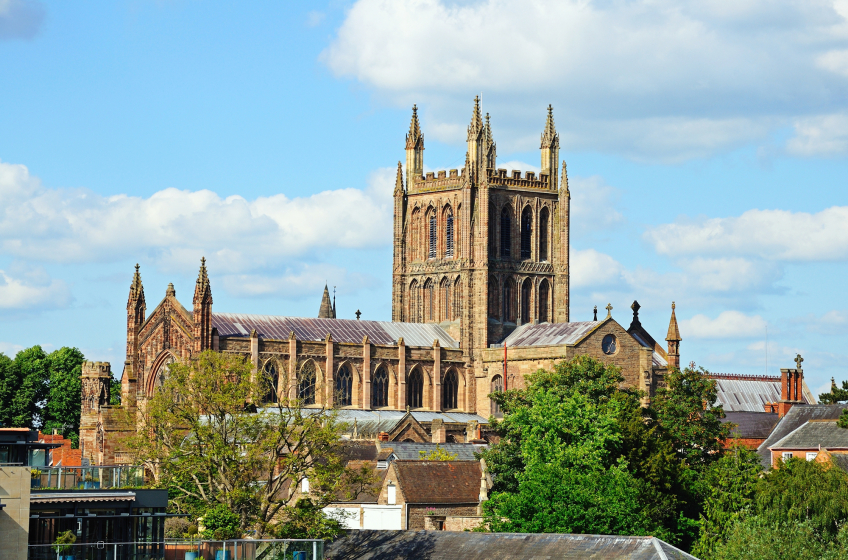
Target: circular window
609	344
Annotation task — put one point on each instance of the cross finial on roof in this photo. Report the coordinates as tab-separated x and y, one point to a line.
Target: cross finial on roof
136	267
596	313
609	310
798	361
358	314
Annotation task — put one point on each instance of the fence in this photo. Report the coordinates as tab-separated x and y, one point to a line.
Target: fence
94	478
242	549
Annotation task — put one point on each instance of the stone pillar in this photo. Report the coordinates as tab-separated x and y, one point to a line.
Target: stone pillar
438	433
437	375
366	373
329	373
401	374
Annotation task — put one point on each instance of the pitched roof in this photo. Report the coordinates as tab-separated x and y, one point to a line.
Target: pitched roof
840	460
753	425
815	434
797	416
550	334
375	421
751	392
409	451
449	545
342	330
439	482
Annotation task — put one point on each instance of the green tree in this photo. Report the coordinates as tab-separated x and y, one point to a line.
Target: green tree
573	478
115	392
25	389
731	482
437	454
755	537
64	394
211	447
8	383
836	394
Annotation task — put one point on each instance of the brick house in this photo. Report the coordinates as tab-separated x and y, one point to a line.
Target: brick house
808	439
778	441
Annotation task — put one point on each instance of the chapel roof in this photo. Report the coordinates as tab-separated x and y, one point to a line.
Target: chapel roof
342	330
439	482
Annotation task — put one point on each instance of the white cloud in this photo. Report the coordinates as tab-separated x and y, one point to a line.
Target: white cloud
32	289
777	235
593	206
175	227
728	324
10	349
315	18
20	19
825	135
659	79
591	269
295	283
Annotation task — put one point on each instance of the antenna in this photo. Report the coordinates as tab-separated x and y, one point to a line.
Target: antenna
766	348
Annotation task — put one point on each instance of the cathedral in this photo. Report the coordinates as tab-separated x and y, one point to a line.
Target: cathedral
480	298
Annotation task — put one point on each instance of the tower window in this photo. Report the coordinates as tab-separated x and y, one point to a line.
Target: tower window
432	252
380	388
526	296
543	301
415	389
543	235
449	236
526	233
506	237
508	313
429	301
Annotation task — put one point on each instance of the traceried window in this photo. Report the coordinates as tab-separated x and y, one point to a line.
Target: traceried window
543	301
450	390
526	233
380	388
162	372
543	235
494	298
344	386
414	302
497	387
429	301
506	233
270	380
508	309
433	237
306	383
415	389
457	298
446	295
526	297
449	236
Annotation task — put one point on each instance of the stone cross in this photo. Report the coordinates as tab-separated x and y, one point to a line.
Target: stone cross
798	361
609	310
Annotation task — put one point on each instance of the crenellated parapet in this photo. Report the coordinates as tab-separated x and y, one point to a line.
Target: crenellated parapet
438	181
500	178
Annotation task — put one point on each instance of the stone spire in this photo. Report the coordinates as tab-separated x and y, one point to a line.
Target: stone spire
326	310
476	126
399	180
414	149
202	310
489	147
550	138
136	289
673	339
202	289
414	138
550	149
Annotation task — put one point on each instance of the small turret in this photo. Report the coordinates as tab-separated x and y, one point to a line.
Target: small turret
136	309
326	310
550	149
673	339
414	149
490	148
202	310
476	137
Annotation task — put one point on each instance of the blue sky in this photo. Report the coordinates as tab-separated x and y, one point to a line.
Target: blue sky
706	146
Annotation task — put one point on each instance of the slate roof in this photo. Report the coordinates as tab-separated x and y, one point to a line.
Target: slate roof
409	451
752	425
447	545
751	393
814	434
796	417
840	460
343	330
439	482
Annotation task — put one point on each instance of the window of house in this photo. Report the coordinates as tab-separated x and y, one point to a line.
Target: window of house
506	233
450	390
391	494
811	455
786	455
449	236
380	388
432	253
344	386
526	233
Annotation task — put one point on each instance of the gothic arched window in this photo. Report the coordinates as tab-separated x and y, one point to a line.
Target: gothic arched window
457	297
497	387
450	390
449	236
414	306
543	235
415	389
506	233
508	304
433	236
306	383
543	301
526	233
429	301
526	296
344	386
380	388
494	298
162	372
270	380
445	290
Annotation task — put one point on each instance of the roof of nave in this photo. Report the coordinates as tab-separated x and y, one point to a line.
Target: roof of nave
342	330
737	392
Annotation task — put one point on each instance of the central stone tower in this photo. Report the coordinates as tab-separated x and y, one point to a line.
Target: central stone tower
480	250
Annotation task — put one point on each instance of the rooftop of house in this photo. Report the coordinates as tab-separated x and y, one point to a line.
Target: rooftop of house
796	417
411	451
352	331
439	482
447	545
815	434
751	425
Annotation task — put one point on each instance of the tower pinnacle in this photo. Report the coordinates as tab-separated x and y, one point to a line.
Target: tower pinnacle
399	180
414	136
476	126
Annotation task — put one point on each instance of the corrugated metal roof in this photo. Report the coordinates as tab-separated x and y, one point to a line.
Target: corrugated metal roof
815	434
66	497
797	416
550	334
342	330
468	545
751	395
